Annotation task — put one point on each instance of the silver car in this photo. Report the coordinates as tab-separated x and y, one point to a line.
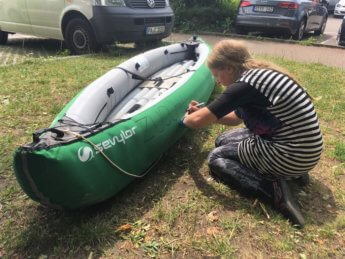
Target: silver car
339	9
294	17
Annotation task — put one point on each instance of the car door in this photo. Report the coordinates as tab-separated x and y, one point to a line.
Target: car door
320	12
310	10
45	17
14	17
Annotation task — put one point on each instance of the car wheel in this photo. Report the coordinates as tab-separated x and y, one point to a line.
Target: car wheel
80	38
300	31
3	37
322	27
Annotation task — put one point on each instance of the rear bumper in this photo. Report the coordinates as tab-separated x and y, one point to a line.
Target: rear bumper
128	25
267	24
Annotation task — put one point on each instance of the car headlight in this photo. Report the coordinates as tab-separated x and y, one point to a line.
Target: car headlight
116	3
338	5
167	3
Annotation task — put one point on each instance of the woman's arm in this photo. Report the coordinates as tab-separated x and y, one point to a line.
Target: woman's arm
231	119
205	117
199	119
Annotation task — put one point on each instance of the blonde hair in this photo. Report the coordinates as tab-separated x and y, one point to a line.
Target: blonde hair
234	54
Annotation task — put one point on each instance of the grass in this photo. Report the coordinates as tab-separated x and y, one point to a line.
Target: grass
177	210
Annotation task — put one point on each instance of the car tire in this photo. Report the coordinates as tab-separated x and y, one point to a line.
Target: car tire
3	37
80	37
300	31
322	27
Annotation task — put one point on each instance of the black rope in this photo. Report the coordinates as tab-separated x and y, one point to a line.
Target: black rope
138	77
157	79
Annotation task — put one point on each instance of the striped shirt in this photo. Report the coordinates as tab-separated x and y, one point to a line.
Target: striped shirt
295	144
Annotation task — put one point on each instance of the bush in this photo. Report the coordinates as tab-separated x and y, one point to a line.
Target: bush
204	15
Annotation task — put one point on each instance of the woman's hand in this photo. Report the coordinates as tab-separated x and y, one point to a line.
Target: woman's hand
198	117
194	106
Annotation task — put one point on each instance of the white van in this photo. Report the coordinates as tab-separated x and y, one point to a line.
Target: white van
87	24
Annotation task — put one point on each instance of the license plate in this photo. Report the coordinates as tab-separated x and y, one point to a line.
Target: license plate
263	9
155	30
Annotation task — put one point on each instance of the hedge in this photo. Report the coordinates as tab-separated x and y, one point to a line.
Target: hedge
204	15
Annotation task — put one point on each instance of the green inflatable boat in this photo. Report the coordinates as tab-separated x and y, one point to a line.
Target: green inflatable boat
115	129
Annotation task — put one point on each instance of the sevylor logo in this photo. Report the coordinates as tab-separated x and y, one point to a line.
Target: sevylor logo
87	153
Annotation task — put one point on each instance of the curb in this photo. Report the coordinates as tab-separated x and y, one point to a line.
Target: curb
248	37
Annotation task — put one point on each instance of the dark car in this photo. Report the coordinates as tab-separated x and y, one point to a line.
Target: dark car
294	17
341	34
331	5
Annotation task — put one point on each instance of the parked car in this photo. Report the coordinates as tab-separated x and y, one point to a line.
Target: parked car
341	34
293	16
86	24
331	5
339	9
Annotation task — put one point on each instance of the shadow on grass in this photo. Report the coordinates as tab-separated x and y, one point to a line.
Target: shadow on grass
45	231
316	202
319	204
76	233
37	47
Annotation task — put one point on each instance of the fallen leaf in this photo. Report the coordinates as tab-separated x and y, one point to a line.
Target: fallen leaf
303	193
90	255
127	245
320	241
325	197
212	216
212	231
124	228
264	210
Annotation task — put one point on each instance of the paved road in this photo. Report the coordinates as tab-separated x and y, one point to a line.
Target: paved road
331	31
21	47
325	55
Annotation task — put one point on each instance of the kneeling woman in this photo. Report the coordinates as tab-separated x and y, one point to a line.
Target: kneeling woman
282	138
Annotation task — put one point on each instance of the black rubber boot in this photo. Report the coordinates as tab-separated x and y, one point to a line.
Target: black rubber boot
248	185
303	180
285	203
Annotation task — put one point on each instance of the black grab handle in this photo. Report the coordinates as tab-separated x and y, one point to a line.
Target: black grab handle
36	135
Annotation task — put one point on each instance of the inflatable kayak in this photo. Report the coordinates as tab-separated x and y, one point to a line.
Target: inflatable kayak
115	129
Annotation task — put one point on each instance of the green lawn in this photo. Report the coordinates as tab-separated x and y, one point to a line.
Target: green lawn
177	210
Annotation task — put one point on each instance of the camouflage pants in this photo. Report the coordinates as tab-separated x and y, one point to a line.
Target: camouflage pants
226	167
